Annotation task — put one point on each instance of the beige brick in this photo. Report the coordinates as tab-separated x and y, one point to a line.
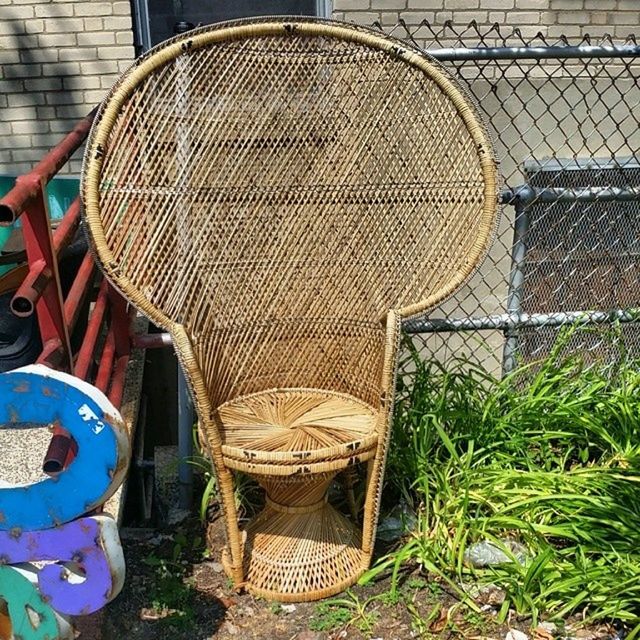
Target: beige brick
78	54
600	5
413	18
34	26
64	25
443	16
573	5
54	10
29	126
5	131
389	18
61	70
351	5
18	140
457	5
115	53
91	8
39	55
465	17
96	39
56	40
94	96
532	4
569	30
20	100
124	37
26	155
20	167
71	83
64	97
497	16
573	17
43	84
389	4
106	82
18	13
121	8
523	17
622	31
497	4
98	67
9	56
93	24
627	4
625	17
63	126
4	102
75	111
22	71
596	31
123	65
360	17
599	17
425	4
45	113
117	23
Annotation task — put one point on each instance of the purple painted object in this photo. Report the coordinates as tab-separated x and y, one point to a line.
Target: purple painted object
92	543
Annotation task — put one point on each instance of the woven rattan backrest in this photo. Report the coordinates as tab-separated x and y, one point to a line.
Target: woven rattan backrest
276	188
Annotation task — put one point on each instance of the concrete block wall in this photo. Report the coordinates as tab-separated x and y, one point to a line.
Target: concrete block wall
58	59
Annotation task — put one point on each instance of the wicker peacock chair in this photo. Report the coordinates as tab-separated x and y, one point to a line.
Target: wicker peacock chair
279	195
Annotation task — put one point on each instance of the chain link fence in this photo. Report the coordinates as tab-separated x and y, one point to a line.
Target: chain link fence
565	120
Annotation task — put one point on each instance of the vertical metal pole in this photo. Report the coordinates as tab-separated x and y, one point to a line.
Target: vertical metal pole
516	280
185	442
324	8
185	408
38	242
143	27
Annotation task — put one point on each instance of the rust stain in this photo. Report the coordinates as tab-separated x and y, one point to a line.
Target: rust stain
23	387
49	393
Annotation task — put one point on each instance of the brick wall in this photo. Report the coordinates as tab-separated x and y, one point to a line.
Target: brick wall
573	18
57	60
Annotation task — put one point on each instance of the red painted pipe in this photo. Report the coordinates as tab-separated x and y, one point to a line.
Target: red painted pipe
61	452
68	226
117	381
28	186
24	300
79	290
106	362
52	353
85	355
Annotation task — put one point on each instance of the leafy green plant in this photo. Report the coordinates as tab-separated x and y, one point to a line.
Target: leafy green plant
548	456
344	612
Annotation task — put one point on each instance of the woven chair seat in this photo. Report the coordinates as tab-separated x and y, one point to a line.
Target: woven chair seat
297	428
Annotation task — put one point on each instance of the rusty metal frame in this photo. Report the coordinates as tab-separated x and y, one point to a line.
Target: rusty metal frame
101	362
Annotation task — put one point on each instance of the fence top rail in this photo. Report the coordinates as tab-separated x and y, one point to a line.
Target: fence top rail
551	52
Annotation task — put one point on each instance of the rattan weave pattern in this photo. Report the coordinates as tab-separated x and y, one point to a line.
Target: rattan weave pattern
268	193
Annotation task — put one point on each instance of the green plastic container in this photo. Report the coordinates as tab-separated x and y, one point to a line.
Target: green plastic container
61	192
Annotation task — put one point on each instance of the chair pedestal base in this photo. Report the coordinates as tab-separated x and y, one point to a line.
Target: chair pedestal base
301	551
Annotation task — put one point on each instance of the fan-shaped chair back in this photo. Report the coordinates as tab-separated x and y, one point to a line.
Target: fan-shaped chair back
277	188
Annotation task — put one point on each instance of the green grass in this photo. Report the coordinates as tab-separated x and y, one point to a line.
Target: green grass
549	455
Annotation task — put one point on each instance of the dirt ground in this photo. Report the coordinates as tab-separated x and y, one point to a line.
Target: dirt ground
176	589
